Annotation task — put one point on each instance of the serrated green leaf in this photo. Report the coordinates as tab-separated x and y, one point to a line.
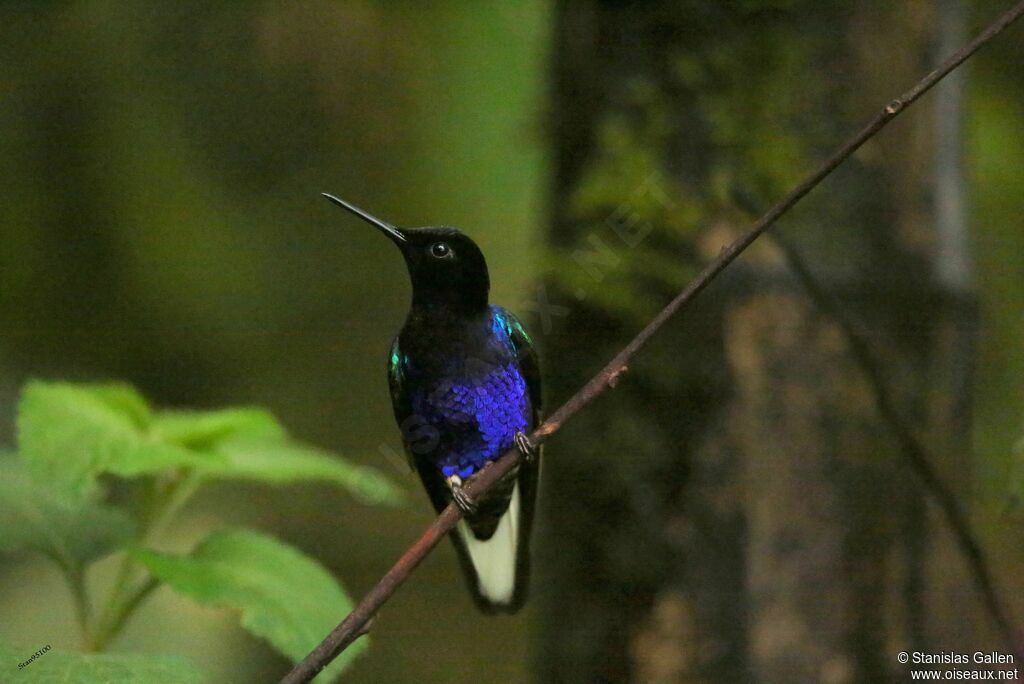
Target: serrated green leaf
285	597
205	429
69	434
33	517
280	462
68	667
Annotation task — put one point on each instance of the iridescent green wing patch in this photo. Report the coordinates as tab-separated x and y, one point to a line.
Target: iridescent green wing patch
526	354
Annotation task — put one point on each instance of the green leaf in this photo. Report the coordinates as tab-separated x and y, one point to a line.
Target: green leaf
67	667
125	400
33	517
285	597
69	434
203	430
280	462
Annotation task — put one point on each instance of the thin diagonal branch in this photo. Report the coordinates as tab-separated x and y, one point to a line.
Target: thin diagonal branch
353	625
914	452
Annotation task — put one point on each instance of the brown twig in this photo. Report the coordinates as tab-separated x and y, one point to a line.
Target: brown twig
350	628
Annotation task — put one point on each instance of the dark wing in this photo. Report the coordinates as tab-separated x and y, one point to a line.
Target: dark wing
526	354
401	403
529	471
396	383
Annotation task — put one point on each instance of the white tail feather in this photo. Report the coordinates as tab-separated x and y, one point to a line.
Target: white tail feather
495	559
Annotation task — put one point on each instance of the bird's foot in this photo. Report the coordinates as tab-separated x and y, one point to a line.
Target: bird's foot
461	497
527	448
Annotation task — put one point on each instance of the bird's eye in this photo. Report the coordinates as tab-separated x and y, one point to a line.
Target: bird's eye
440	250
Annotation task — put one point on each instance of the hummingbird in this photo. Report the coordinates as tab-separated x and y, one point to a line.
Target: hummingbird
465	387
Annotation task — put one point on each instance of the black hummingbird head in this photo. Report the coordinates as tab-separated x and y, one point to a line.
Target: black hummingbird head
446	267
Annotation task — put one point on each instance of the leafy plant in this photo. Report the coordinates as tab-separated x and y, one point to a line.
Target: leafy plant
54	501
86	668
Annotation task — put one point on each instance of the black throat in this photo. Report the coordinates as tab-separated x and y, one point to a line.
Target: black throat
449	300
435	332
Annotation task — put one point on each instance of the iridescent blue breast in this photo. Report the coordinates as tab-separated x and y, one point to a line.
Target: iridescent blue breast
477	414
471	393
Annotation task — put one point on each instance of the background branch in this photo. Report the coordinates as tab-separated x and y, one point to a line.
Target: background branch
914	452
355	623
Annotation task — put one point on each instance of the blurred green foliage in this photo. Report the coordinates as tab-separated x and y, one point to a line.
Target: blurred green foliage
284	596
71	532
87	668
995	146
55	500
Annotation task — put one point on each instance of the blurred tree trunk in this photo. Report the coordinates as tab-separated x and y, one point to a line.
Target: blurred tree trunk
736	510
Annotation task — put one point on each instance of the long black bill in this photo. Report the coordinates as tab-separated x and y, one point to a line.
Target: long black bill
384	226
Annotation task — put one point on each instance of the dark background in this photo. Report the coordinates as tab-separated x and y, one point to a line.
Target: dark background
161	224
